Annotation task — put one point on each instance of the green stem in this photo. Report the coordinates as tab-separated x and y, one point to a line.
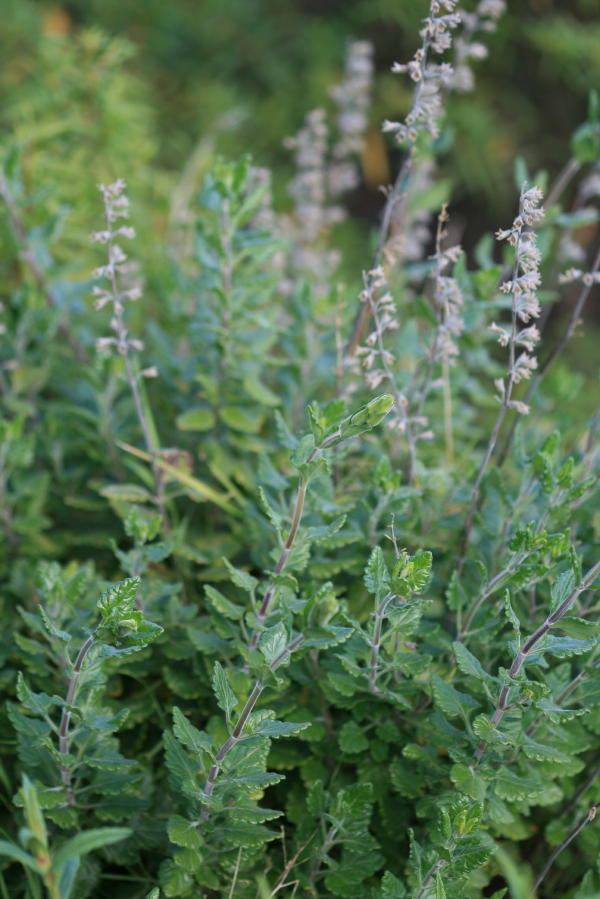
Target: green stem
65	721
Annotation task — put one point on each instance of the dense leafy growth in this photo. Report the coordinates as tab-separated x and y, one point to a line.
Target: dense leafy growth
297	575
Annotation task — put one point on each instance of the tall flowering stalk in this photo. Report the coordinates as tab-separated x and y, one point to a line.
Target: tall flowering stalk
483	18
448	301
525	307
352	97
424	116
588	280
116	207
433	81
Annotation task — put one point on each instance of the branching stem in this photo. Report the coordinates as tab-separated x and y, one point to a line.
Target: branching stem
530	644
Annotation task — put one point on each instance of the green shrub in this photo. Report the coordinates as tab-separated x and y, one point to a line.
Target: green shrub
297	575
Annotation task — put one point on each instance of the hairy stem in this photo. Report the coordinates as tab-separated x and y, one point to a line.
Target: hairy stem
238	731
271	590
474	503
437	866
64	741
572	836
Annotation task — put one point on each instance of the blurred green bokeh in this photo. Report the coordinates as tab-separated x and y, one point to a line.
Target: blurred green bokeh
240	75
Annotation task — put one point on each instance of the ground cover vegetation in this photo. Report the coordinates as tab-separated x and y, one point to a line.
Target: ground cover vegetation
298	570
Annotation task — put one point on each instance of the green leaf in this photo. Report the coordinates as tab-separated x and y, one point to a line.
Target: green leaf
184	833
561	588
273	642
377	577
240	578
200	419
88	841
260	392
174	881
510	614
471	853
440	892
270	728
352	739
117	606
190	736
10	850
131	493
468	781
391	887
302	451
33	812
580	628
366	418
223	605
468	664
512	787
453	703
198	489
247	835
37	703
240	419
223	692
563	647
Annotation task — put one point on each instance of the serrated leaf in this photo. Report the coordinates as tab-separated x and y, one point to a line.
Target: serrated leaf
224	694
391	887
37	703
247	835
352	739
223	605
561	588
563	647
273	643
512	787
271	728
377	577
117	606
190	736
510	614
579	628
241	579
440	892
453	703
468	781
184	833
468	664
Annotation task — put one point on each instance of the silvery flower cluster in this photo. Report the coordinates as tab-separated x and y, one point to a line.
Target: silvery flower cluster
483	18
523	290
577	274
116	207
448	298
309	189
352	98
375	358
427	102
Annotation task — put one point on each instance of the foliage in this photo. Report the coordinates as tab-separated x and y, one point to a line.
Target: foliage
293	602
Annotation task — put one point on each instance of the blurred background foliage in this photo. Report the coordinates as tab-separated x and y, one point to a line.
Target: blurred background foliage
93	90
185	77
